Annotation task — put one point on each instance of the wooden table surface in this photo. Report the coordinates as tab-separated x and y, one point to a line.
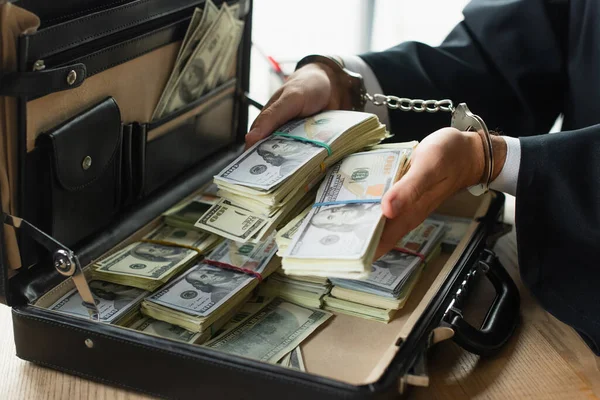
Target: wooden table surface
544	360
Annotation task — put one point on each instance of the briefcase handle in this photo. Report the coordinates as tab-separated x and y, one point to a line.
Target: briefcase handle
502	317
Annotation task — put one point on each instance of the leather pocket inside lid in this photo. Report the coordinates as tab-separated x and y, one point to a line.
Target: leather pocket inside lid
80	173
86	146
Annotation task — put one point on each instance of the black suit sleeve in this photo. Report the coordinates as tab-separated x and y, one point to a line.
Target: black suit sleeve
505	60
558	226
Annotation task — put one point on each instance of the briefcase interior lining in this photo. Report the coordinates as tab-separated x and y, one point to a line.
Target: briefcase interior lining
351	349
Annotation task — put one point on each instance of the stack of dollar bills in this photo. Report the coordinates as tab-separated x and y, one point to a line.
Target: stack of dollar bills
271	332
392	278
304	290
340	234
117	304
163	329
270	183
150	263
286	234
199	297
206	57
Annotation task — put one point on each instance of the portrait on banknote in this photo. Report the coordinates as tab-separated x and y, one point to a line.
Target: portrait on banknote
154	253
285	153
347	217
218	282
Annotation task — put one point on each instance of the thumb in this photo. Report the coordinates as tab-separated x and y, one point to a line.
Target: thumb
404	196
271	117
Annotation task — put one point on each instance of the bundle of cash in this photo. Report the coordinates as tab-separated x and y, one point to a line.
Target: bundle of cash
393	276
153	262
392	270
116	303
154	327
300	291
200	296
269	181
286	234
271	333
339	235
378	314
250	258
206	57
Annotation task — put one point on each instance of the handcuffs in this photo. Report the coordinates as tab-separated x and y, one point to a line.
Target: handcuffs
462	118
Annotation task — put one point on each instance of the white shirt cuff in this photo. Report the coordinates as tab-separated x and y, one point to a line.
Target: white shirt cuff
506	181
358	65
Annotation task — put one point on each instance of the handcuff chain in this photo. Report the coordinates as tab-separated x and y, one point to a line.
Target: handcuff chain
404	104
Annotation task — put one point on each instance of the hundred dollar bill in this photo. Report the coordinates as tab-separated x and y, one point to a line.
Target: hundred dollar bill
186	214
251	307
392	270
194	22
201	290
114	301
249	257
193	78
232	222
227	42
286	234
164	329
339	235
285	361
148	265
296	359
207	18
272	332
274	159
228	63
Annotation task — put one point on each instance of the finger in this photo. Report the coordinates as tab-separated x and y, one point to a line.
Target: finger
405	193
282	109
394	230
253	135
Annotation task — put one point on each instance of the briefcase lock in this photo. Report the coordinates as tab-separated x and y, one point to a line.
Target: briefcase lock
66	262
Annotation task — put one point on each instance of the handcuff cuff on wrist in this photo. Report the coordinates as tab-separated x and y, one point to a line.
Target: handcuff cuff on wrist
462	118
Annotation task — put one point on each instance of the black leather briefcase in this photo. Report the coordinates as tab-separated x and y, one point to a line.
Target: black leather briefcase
83	170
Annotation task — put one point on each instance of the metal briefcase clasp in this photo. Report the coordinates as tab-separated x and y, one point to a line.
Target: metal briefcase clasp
64	259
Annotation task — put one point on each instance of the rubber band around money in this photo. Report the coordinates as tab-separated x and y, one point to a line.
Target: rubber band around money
410	252
219	264
306	140
344	202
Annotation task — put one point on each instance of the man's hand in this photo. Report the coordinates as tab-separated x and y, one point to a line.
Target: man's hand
310	89
442	164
